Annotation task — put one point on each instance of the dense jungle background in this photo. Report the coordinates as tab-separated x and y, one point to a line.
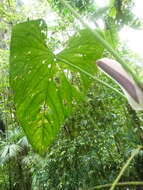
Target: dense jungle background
100	135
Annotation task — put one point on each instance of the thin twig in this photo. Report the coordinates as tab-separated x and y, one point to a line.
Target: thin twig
123	184
125	167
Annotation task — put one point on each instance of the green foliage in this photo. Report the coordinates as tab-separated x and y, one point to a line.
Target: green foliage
12	150
102	130
120	14
81	5
45	92
92	145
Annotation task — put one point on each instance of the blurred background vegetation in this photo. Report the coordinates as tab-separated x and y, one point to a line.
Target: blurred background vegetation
99	137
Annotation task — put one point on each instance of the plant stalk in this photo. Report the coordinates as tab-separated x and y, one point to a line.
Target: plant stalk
125	167
102	41
132	183
89	75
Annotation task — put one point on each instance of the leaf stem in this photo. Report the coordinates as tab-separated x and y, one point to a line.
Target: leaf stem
89	75
102	41
125	167
123	184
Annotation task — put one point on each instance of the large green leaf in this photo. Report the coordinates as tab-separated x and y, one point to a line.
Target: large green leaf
82	50
47	87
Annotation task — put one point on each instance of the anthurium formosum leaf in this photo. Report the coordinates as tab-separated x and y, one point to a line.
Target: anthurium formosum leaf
82	50
46	89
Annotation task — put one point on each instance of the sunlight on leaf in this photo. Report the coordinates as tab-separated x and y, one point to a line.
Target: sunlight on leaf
46	90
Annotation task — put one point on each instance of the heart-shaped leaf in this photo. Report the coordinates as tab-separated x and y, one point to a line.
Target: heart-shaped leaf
46	89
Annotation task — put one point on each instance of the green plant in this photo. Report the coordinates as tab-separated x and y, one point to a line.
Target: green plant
50	92
50	88
47	78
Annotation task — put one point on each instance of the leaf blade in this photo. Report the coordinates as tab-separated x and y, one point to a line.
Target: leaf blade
47	91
